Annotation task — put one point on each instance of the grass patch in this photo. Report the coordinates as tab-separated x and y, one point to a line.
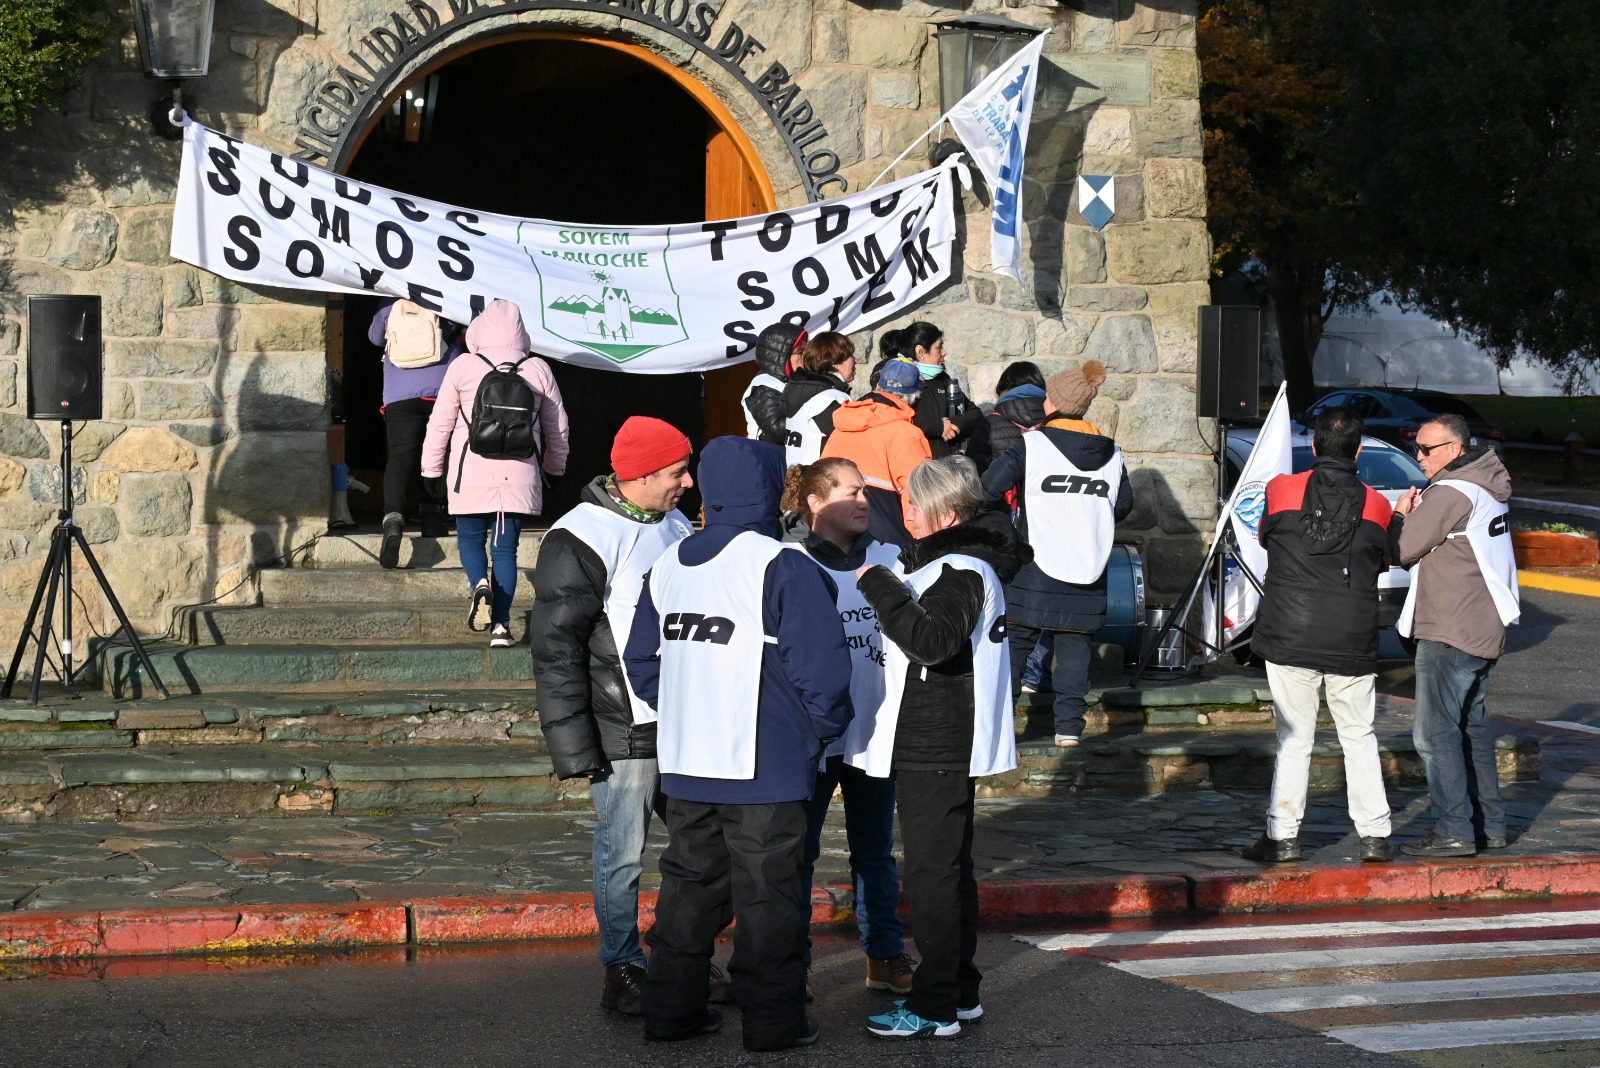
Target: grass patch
1543	419
1544	468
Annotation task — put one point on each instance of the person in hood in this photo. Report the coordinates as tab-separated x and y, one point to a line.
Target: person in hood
944	414
408	397
1018	408
1456	538
1072	489
591	569
830	498
814	393
777	349
877	434
493	497
945	720
1327	541
736	644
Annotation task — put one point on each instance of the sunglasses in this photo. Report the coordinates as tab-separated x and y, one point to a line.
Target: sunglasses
1427	450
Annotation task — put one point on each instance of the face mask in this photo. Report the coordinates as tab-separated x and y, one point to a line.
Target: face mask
929	370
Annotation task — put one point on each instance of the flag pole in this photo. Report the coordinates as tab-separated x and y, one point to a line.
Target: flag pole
936	124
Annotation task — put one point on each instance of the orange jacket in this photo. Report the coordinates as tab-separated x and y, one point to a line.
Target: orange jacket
877	434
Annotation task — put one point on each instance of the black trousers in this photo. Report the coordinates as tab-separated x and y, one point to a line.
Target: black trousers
724	862
406	424
936	829
1073	659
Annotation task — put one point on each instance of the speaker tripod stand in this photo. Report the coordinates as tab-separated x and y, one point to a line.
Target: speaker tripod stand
57	576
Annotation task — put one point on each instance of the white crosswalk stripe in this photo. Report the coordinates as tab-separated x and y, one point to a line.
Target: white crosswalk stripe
1452	983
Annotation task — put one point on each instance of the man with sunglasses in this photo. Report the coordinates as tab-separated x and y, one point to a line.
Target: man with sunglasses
1455	536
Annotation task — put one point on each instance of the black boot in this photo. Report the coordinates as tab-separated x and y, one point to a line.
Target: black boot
1376	850
389	551
1272	850
624	990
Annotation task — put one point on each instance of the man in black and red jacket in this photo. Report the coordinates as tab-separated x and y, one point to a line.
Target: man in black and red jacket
1327	540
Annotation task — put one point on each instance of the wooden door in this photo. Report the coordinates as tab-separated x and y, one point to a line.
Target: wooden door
732	192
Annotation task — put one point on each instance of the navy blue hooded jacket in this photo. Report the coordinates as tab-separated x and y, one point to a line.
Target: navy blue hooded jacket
804	699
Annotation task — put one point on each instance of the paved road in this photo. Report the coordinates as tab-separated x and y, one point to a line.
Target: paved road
1550	670
1443	987
533	1006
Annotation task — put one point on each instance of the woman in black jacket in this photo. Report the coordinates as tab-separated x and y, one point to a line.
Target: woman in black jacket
944	414
1018	408
945	720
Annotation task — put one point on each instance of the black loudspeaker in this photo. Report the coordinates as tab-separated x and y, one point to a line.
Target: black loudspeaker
1229	386
64	357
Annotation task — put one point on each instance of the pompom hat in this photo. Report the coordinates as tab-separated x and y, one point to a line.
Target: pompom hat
1074	390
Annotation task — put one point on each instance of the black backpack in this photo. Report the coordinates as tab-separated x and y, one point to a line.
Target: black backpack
505	416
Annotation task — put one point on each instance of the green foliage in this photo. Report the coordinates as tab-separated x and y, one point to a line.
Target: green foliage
44	46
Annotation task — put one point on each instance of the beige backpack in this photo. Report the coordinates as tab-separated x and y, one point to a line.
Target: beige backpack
412	338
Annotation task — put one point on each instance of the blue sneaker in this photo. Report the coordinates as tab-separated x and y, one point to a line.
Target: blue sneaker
903	1023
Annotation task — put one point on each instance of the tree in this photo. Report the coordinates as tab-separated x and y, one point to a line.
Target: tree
1471	133
1270	84
44	46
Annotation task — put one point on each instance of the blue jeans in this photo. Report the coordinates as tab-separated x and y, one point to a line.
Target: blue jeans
1451	731
1037	674
472	532
869	828
623	799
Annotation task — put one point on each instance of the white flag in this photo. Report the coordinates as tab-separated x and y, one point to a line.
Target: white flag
992	121
1272	455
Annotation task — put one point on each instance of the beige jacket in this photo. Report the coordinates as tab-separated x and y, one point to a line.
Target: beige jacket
1453	602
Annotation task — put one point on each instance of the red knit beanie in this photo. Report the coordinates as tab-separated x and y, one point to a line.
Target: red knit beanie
645	445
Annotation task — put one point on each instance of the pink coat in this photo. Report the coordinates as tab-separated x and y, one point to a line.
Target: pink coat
492	487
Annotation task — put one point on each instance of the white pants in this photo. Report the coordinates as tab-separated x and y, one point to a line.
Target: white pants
1295	702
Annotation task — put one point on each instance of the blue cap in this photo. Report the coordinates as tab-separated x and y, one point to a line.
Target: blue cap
899	376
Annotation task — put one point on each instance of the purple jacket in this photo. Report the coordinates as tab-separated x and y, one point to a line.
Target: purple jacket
404	383
493	487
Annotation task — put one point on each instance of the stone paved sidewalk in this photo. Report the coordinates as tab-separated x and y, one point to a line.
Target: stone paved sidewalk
330	859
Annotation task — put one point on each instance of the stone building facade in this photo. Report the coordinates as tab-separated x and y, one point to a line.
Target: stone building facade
212	457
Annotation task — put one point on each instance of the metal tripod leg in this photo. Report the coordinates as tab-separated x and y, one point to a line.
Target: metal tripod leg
56	542
58	562
122	617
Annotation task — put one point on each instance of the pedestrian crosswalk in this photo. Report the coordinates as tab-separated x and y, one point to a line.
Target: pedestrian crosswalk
1424	986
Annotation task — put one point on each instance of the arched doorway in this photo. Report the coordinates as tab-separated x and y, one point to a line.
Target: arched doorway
557	127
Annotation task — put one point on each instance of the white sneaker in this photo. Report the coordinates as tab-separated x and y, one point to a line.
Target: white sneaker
480	607
973	1015
500	637
1067	741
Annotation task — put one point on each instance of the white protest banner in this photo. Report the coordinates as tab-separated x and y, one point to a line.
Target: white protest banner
646	299
992	121
1271	456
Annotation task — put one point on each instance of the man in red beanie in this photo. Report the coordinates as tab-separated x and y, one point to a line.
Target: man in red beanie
591	566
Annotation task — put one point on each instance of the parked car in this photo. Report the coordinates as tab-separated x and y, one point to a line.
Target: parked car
1380	465
1395	415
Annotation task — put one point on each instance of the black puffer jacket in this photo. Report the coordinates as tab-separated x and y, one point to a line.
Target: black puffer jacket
1327	541
803	385
935	727
1034	599
773	349
1003	427
942	398
583	706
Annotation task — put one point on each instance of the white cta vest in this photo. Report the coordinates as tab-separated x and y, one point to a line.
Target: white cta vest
805	440
628	549
994	736
1070	521
711	649
752	429
866	647
1489	533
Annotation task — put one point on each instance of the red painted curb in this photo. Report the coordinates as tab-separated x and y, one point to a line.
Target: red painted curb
133	933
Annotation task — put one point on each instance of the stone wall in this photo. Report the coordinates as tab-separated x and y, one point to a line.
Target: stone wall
212	457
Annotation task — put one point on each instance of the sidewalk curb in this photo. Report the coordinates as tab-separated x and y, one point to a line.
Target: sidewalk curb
1535	580
454	920
1537	504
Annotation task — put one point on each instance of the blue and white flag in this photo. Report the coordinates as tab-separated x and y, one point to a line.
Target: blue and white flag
992	121
1272	455
1097	199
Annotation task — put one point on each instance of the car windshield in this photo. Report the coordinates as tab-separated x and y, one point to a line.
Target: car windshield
1382	469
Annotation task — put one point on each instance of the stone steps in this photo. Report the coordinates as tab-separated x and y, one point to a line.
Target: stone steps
416	552
171	782
366	588
311	668
292	624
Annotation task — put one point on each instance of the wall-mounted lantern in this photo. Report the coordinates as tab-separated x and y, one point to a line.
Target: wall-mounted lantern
972	48
174	43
